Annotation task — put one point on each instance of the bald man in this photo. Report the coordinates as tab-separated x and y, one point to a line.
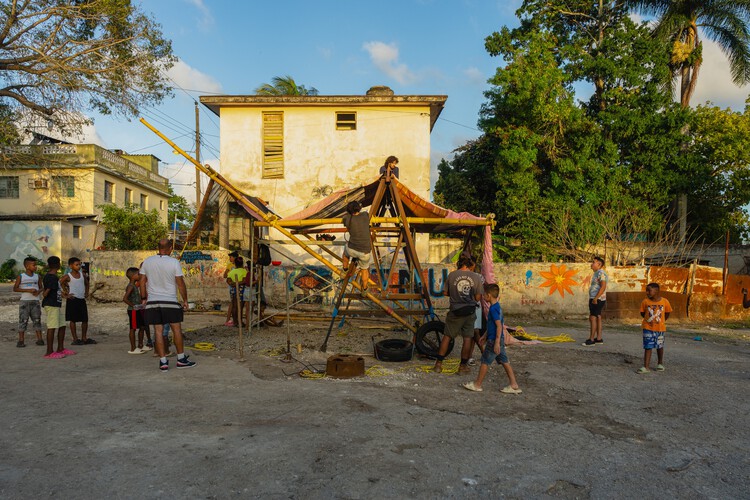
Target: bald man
162	278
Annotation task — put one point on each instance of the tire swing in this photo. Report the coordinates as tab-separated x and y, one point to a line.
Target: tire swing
394	350
428	339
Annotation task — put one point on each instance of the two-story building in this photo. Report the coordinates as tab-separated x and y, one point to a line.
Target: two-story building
50	196
294	150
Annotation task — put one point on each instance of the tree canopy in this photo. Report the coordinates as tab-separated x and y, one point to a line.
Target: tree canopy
284	85
563	175
130	228
60	59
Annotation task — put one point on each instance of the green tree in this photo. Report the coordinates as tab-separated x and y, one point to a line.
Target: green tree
58	59
179	207
284	85
681	22
130	228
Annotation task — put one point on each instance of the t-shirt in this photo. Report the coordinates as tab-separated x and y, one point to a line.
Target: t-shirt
654	314
495	313
161	271
359	231
54	297
597	280
134	296
394	171
463	286
237	274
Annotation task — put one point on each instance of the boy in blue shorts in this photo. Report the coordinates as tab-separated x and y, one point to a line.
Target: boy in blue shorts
494	344
655	312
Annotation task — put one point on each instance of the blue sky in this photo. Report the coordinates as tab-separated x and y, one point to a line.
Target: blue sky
340	47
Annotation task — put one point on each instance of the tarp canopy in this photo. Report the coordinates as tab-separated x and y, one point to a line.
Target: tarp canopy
334	206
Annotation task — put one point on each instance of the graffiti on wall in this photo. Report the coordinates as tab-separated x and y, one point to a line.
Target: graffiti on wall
559	279
23	238
193	256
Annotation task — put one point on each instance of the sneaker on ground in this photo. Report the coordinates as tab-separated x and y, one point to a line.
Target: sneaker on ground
40	342
589	342
150	343
136	351
163	365
598	341
77	342
185	363
471	362
68	352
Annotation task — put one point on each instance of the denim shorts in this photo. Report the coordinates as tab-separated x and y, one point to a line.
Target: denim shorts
488	355
652	339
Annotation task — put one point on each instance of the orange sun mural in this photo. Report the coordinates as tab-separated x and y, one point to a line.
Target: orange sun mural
559	279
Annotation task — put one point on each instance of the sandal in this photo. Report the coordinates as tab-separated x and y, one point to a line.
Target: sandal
77	342
642	370
89	341
20	344
40	342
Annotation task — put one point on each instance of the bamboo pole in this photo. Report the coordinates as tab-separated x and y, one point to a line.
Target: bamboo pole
380	220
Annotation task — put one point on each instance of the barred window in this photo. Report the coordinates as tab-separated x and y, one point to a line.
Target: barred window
346	120
65	185
273	145
9	187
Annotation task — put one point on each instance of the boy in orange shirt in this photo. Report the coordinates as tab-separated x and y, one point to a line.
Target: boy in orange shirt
655	312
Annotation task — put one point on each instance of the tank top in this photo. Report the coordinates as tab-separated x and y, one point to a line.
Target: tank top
29	283
77	286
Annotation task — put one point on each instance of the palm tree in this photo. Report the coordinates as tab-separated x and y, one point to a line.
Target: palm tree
681	22
284	85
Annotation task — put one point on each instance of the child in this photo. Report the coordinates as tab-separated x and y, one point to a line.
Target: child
655	312
494	345
29	284
52	303
75	287
237	276
359	245
132	298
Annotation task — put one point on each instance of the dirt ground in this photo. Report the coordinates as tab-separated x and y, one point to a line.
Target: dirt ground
104	423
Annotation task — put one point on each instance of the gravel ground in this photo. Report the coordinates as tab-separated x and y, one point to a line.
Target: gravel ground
104	423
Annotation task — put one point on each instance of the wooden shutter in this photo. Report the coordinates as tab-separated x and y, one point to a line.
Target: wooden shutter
273	145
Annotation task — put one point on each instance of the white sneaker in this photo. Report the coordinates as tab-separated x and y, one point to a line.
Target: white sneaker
471	362
145	348
136	351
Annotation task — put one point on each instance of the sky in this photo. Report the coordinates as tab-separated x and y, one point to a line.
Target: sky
340	47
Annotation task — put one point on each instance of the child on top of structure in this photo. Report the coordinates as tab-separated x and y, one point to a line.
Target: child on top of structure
52	303
136	320
29	284
75	287
235	280
655	312
359	245
494	345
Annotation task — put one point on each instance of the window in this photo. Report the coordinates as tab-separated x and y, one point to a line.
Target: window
77	232
161	205
9	187
144	202
109	192
128	196
346	120
273	145
64	185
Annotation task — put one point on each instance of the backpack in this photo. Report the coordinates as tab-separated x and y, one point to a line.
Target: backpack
264	255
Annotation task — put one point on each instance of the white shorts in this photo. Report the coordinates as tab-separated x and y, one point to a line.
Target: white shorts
363	259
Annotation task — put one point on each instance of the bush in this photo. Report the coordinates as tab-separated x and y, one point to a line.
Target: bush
8	270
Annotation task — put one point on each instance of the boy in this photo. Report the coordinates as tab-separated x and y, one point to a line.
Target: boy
237	276
75	287
597	301
655	312
494	344
52	303
229	321
132	298
29	284
359	244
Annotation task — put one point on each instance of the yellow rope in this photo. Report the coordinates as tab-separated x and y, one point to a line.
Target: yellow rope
311	374
522	334
204	346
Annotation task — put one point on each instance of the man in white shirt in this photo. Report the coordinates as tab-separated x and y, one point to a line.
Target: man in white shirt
162	278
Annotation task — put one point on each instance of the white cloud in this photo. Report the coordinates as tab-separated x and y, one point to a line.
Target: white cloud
715	81
385	57
475	76
188	77
206	21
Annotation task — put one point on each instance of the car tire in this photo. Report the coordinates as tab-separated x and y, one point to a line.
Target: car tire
394	350
428	339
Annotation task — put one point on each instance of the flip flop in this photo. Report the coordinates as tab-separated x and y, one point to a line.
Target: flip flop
509	390
471	387
89	341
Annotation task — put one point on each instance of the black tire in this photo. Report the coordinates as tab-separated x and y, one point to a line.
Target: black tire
428	339
394	350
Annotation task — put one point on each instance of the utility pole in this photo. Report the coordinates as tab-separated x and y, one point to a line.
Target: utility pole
197	172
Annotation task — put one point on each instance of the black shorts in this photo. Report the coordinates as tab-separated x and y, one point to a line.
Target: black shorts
136	321
163	312
596	309
76	310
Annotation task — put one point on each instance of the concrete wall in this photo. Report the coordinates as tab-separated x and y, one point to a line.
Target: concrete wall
40	239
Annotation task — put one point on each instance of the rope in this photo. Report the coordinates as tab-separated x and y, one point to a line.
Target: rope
204	346
522	334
